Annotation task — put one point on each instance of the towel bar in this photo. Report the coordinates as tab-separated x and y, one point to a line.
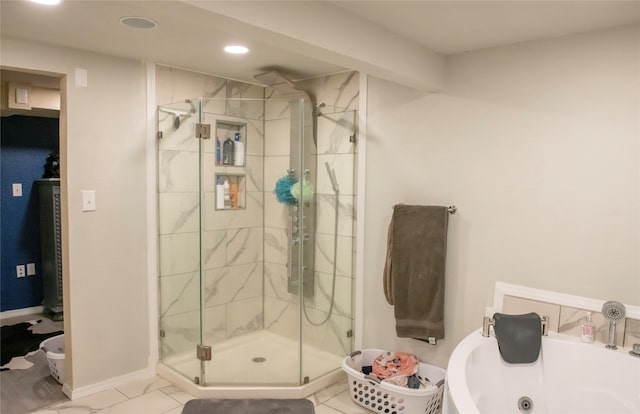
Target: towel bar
487	322
451	209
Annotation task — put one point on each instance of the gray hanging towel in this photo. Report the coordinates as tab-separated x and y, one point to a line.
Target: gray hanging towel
388	288
416	267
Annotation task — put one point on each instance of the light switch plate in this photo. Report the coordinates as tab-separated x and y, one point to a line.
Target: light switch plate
81	77
88	200
16	189
31	269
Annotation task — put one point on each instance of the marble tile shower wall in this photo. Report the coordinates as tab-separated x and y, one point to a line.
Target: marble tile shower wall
568	320
333	146
232	240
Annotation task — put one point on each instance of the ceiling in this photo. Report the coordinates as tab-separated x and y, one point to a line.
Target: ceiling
192	37
451	27
186	36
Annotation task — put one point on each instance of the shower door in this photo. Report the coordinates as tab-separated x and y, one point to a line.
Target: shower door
179	222
211	238
326	316
240	252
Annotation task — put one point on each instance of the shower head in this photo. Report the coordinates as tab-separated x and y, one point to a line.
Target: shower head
274	77
286	87
613	311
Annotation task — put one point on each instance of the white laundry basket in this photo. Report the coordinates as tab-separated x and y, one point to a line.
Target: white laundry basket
54	350
388	398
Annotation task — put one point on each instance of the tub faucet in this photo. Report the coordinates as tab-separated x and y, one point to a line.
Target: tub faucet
613	311
486	323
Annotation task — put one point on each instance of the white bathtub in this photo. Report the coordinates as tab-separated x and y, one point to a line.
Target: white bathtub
568	377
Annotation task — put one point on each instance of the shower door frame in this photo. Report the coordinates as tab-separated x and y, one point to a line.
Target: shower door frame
203	352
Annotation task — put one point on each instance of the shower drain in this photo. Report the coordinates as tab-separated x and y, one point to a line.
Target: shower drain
258	359
525	404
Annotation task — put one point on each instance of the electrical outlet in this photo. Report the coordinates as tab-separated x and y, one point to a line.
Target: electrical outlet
31	269
20	271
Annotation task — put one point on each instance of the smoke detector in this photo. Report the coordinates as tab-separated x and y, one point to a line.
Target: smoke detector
137	22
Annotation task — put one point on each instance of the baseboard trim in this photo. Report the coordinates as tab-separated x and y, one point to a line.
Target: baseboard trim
20	312
80	392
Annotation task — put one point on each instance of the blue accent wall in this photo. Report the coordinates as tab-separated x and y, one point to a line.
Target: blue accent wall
25	144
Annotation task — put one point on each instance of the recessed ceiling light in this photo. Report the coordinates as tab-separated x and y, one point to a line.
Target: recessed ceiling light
47	2
136	22
236	49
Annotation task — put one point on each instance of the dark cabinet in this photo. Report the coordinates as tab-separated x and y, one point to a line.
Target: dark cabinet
51	245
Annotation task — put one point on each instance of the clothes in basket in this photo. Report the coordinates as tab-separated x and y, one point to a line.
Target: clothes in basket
399	368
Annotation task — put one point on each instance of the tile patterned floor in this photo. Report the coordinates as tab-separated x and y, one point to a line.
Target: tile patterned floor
159	396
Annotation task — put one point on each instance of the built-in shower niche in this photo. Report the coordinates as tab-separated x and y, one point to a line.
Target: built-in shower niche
230	191
226	133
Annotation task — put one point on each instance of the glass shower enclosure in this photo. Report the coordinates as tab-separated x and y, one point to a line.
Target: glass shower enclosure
256	221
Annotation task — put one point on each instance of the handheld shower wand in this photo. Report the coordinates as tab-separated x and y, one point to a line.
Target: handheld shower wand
613	311
332	177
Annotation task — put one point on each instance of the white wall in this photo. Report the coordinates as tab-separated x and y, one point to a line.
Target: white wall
538	146
104	139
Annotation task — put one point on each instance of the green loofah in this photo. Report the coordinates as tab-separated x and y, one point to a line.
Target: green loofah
302	191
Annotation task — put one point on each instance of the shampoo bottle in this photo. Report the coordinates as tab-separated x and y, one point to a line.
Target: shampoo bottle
233	194
238	155
227	196
219	194
588	330
218	152
227	152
